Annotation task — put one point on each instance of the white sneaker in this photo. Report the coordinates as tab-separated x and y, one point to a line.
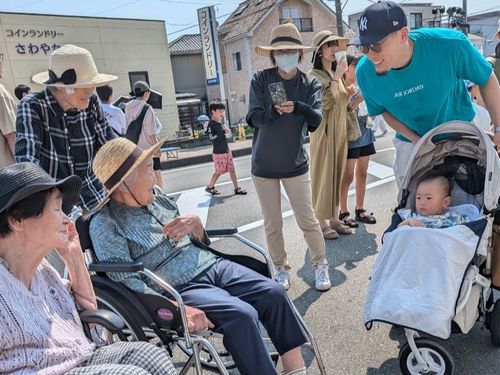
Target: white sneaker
322	278
282	276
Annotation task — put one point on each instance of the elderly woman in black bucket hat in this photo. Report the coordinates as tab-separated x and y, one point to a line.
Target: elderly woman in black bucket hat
40	329
284	105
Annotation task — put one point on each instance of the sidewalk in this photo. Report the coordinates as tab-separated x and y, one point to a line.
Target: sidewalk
190	156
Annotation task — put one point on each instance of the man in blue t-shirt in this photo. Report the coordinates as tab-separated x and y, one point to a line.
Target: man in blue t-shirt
415	79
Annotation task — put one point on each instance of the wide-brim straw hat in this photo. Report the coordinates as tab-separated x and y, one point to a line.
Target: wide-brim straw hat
21	180
116	160
72	66
325	36
284	36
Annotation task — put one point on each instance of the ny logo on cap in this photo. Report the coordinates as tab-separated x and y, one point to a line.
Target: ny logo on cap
395	23
363	24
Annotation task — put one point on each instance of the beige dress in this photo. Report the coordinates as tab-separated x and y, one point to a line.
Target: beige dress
329	148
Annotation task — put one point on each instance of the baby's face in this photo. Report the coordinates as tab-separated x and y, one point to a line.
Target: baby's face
431	198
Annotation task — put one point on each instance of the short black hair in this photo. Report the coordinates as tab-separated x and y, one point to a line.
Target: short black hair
434	175
497	51
104	93
29	207
352	59
214	106
20	90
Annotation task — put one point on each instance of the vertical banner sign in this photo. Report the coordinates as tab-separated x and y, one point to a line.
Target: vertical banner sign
208	31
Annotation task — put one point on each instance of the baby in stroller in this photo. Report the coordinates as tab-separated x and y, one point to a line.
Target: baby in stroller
433	205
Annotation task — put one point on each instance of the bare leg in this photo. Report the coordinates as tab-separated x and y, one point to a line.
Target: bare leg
346	182
213	180
234	179
292	360
361	173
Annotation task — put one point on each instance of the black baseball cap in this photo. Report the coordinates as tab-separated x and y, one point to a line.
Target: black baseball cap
378	21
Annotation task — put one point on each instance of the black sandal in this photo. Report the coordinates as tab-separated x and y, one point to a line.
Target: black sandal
239	191
212	190
351	223
367	219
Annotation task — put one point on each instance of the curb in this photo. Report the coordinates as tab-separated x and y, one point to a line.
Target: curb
205	158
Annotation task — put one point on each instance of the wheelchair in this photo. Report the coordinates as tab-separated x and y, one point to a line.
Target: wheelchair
158	320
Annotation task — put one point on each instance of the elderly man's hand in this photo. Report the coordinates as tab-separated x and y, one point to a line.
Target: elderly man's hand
182	226
197	320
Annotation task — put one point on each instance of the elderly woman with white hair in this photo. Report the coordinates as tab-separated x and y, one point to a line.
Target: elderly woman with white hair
62	126
40	328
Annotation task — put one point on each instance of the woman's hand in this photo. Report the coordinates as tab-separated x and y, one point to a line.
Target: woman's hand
184	225
286	107
73	247
197	320
340	70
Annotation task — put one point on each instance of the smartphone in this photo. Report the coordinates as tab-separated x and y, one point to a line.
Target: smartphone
278	94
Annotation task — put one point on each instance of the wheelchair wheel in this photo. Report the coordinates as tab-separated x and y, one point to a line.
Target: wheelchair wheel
206	358
494	325
438	359
132	330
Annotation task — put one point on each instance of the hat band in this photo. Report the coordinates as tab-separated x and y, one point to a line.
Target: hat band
122	169
286	39
323	39
68	77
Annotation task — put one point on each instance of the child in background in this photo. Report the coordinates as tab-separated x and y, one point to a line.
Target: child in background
222	156
432	203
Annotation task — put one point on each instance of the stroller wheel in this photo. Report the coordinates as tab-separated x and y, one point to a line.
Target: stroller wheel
439	360
495	324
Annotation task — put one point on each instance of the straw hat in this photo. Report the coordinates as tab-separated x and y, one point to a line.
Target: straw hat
117	159
72	66
284	36
20	180
325	36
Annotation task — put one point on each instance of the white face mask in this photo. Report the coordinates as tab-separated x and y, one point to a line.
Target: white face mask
286	62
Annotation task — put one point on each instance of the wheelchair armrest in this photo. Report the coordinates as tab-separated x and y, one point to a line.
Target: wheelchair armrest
214	232
108	319
116	267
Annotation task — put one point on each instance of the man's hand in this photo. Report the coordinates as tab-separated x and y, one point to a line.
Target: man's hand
197	320
182	226
286	107
412	223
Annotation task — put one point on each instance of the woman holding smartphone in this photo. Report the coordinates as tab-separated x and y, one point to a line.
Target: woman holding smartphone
278	153
329	143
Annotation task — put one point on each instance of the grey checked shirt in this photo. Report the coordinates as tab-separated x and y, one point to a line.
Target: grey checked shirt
63	143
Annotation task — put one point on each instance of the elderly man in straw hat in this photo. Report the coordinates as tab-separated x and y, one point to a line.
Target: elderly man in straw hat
136	225
281	124
62	126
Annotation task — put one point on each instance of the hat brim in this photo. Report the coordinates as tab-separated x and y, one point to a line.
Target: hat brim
99	80
265	51
70	188
331	38
145	154
366	40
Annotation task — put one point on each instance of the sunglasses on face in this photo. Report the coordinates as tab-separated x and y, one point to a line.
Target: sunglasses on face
281	52
375	47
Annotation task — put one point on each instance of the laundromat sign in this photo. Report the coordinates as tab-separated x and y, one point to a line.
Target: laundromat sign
32	46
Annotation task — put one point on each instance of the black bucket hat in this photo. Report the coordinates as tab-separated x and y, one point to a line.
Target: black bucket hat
21	180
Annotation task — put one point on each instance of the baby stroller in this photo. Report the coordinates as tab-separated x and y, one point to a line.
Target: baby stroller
435	282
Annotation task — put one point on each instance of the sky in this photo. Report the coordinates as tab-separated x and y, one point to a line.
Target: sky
180	15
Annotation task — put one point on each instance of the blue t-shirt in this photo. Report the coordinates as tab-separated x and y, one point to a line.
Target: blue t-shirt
430	90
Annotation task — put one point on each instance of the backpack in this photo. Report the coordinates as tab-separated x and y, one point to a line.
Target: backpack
134	129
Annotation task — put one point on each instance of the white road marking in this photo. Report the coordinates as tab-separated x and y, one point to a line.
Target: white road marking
379	170
195	202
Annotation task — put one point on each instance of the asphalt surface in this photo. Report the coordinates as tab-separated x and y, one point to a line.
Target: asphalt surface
335	317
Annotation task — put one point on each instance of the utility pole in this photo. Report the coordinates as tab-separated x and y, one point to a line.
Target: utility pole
338	12
464	7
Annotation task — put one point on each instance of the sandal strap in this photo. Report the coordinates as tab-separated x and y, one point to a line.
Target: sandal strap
343	215
359	211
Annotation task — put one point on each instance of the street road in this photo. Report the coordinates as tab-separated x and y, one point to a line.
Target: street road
336	316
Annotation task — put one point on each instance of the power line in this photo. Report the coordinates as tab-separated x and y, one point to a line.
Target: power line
118	7
25	5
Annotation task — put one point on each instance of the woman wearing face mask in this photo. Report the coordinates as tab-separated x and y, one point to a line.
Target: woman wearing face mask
329	143
281	121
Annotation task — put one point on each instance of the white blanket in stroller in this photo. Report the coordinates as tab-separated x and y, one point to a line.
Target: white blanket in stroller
417	277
